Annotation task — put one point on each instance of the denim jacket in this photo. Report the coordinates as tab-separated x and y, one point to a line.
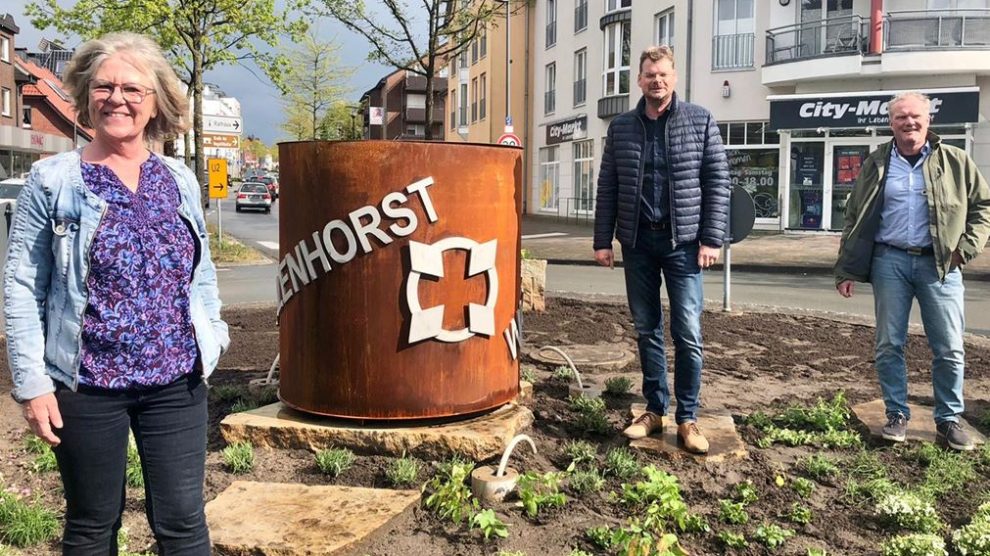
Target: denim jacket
44	280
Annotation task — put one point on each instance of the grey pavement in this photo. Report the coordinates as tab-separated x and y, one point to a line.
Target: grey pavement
760	252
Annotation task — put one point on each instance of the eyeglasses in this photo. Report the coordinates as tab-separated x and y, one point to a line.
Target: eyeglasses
132	92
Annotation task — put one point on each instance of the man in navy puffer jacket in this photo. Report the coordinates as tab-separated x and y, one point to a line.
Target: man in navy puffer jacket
663	192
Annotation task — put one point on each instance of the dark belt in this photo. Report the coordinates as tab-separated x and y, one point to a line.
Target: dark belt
916	251
650	225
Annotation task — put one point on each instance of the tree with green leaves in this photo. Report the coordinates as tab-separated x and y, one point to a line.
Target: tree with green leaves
419	41
313	84
198	35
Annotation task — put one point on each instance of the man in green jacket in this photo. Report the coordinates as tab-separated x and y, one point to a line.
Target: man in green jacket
919	212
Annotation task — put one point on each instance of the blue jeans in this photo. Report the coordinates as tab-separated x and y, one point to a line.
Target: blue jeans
646	266
169	424
898	278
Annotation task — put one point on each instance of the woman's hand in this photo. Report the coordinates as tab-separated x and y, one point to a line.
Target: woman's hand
43	415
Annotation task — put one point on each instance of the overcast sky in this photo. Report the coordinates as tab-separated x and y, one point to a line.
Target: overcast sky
260	102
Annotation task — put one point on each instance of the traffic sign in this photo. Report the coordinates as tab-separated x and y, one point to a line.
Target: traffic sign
510	139
221	124
218	177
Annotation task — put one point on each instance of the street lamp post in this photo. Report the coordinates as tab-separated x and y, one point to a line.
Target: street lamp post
508	69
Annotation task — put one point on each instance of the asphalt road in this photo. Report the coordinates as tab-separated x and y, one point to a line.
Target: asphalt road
814	292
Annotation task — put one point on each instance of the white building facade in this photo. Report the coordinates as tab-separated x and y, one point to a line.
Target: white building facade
222	128
799	88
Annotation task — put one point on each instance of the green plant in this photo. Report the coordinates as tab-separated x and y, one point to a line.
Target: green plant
44	462
663	494
618	385
799	514
600	536
590	414
537	492
947	472
803	487
869	490
909	511
133	473
696	523
577	552
918	544
621	463
36	445
819	466
123	542
772	535
823	424
580	451
334	461
451	497
745	493
732	512
239	457
563	373
402	471
646	536
23	524
866	465
974	539
528	374
226	392
816	552
732	540
584	481
489	523
243	404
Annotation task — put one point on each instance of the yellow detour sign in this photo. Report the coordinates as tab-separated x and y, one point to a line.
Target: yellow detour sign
218	177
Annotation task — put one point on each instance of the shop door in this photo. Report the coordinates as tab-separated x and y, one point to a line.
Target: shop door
846	163
807	182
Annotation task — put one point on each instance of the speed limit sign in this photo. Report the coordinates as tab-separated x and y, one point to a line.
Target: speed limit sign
510	139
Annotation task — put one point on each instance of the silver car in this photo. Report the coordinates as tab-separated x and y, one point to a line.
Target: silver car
253	195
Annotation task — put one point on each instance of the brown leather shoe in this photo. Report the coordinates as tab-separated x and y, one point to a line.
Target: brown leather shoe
643	426
691	438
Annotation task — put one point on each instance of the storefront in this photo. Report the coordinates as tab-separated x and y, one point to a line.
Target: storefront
825	138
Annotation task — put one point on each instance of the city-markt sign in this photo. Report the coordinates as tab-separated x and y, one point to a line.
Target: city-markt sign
862	109
567	130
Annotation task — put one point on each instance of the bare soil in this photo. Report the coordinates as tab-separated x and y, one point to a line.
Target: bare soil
755	361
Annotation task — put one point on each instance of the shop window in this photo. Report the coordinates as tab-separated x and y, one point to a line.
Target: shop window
584	175
757	171
549	178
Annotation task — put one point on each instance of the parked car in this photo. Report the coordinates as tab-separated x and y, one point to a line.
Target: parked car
10	188
272	183
253	195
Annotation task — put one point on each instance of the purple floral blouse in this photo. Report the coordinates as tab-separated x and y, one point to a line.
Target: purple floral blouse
137	331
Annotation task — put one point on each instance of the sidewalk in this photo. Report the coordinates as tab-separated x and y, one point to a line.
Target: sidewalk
760	252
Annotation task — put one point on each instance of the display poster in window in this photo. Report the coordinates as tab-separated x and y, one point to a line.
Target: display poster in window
757	171
848	161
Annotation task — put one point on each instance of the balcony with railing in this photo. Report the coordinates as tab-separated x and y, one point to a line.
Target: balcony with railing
837	36
914	42
945	29
733	51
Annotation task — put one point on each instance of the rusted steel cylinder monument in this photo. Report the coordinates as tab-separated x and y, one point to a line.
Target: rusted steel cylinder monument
398	278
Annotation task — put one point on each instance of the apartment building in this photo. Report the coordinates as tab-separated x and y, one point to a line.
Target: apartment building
37	118
799	88
395	108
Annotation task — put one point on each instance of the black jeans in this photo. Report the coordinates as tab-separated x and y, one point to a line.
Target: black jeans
169	424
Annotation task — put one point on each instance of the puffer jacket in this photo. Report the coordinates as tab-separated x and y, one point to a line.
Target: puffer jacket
698	174
958	208
44	279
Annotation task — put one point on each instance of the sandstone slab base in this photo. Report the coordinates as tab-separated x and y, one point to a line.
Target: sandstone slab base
292	519
724	441
921	427
278	426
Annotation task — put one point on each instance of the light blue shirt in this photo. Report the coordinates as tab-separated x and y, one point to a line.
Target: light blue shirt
904	219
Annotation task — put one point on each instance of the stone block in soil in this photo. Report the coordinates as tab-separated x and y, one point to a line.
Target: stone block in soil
292	519
724	441
588	358
478	438
921	427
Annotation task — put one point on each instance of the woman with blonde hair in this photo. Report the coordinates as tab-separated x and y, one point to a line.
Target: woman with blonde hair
112	308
